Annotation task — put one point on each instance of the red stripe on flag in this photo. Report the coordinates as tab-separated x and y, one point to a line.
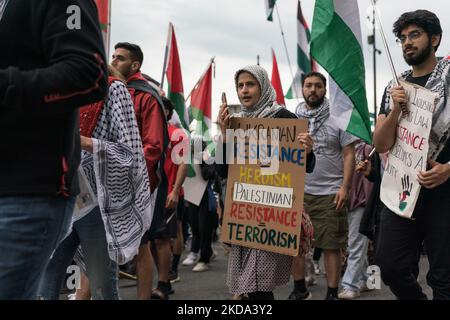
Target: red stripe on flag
201	95
103	12
276	81
174	67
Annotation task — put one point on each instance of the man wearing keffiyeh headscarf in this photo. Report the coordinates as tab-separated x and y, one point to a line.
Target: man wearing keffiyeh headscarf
327	188
251	271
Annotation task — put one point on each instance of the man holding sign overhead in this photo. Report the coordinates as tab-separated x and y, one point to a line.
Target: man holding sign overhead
414	126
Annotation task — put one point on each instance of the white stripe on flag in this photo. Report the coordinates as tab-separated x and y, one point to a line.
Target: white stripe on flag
302	38
350	17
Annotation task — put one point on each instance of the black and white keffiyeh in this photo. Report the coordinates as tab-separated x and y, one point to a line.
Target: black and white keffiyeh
267	106
118	175
316	117
439	83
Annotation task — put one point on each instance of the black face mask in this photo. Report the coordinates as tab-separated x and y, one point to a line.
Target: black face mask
421	56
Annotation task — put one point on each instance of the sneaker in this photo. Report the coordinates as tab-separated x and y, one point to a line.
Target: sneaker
347	294
298	295
173	277
310	281
226	248
170	290
316	268
213	256
190	259
200	267
72	296
364	288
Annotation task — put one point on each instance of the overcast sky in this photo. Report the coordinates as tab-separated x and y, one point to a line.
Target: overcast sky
236	31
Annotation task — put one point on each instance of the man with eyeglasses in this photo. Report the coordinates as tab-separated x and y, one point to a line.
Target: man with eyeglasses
419	33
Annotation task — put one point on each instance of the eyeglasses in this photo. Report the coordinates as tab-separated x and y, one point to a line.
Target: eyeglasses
413	35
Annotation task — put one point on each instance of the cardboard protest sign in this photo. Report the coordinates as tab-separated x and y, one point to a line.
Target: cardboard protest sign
409	155
265	187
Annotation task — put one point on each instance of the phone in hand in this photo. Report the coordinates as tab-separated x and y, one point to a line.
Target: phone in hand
224	98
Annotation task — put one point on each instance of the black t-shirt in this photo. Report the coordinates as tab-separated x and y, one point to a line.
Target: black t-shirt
421	81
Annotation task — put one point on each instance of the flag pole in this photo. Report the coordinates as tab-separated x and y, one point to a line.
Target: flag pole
166	54
389	56
286	49
391	62
200	79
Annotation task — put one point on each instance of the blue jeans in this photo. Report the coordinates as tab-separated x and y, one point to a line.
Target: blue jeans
89	231
358	244
30	230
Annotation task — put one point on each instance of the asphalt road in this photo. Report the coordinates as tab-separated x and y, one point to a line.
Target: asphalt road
211	284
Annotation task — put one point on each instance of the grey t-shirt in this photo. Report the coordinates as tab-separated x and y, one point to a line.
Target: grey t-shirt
328	174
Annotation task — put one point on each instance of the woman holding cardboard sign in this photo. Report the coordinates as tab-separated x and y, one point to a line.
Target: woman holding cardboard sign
251	271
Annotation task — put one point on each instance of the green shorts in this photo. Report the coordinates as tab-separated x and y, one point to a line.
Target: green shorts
330	226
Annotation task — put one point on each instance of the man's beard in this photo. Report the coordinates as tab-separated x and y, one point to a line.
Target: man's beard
316	103
126	73
420	57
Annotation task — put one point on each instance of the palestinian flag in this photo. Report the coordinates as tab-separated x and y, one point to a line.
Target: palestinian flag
175	91
104	16
336	45
270	5
304	62
276	81
200	106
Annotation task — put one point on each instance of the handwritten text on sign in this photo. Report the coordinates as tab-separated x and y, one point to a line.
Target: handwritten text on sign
409	155
265	185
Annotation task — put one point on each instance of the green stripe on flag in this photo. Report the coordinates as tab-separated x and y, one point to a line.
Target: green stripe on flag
270	4
344	62
303	61
203	128
177	100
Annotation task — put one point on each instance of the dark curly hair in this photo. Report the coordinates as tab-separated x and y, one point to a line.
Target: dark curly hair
424	19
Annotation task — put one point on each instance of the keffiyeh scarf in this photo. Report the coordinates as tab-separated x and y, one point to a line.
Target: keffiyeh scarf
316	117
439	82
266	107
117	174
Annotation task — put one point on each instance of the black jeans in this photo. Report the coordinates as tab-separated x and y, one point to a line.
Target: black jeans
399	244
202	221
